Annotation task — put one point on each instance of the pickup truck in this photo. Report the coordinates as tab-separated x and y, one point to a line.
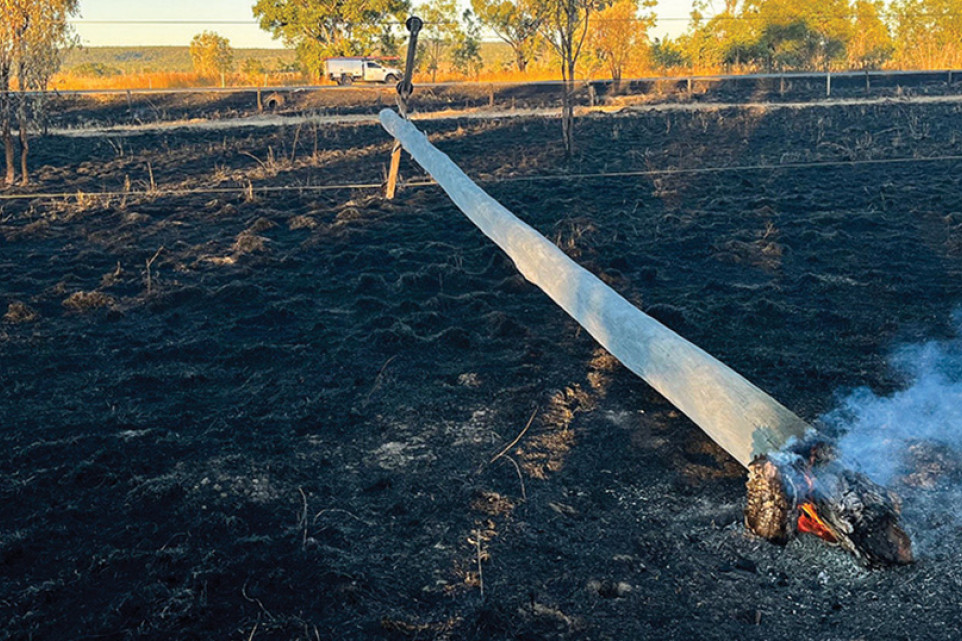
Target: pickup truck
347	71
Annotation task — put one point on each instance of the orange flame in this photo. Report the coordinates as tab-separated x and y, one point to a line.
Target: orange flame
809	521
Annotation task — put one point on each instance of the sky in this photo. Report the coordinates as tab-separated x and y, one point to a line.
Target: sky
95	28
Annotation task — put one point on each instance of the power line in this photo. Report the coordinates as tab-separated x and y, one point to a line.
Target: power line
819	164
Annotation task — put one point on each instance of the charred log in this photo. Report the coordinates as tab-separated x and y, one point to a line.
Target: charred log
771	509
807	491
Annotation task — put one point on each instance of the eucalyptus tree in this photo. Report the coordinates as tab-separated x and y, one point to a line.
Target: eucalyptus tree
565	29
516	22
33	37
318	30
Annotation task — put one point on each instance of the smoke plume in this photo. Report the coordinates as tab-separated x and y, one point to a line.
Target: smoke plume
911	440
879	430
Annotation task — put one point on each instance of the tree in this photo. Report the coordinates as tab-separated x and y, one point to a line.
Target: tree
928	33
565	27
211	54
253	68
440	30
33	36
667	54
389	43
871	42
516	22
618	34
8	28
466	53
318	30
800	34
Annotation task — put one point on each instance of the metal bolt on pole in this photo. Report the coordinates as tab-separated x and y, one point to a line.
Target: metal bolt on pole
404	90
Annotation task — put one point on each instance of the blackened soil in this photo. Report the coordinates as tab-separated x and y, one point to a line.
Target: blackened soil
287	415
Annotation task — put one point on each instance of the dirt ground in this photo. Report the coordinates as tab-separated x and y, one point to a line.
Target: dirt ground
321	415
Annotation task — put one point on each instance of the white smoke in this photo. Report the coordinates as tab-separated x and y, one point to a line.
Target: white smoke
911	440
878	430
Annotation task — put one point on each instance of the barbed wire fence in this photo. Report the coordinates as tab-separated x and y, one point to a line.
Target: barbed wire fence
542	178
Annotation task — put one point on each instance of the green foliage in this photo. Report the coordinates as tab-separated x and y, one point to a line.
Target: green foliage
618	35
211	54
253	67
33	37
389	42
441	29
95	70
667	53
871	44
928	33
466	54
319	30
132	60
790	35
516	23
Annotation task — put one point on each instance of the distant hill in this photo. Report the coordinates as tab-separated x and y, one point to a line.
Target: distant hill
119	68
142	60
129	60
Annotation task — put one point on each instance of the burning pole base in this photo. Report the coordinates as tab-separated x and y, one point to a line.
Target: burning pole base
804	489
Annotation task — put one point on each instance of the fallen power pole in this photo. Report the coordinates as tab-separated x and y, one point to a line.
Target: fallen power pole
736	414
795	484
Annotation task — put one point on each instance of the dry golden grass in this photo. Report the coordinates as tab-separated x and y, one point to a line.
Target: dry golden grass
67	81
497	70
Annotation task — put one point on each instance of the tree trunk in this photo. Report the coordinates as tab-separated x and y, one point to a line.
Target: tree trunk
568	106
24	151
23	123
567	119
5	126
520	59
10	152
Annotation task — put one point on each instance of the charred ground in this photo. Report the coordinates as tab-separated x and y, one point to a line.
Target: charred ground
294	428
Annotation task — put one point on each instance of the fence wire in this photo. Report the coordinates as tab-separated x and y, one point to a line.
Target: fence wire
270	189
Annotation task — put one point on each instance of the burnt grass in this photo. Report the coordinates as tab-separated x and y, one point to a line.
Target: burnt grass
291	428
87	110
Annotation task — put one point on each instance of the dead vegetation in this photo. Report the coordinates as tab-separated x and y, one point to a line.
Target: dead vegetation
87	301
18	312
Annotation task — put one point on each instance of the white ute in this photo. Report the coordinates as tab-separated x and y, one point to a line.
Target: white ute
347	71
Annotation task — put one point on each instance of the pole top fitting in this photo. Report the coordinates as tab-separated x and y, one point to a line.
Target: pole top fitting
414	24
